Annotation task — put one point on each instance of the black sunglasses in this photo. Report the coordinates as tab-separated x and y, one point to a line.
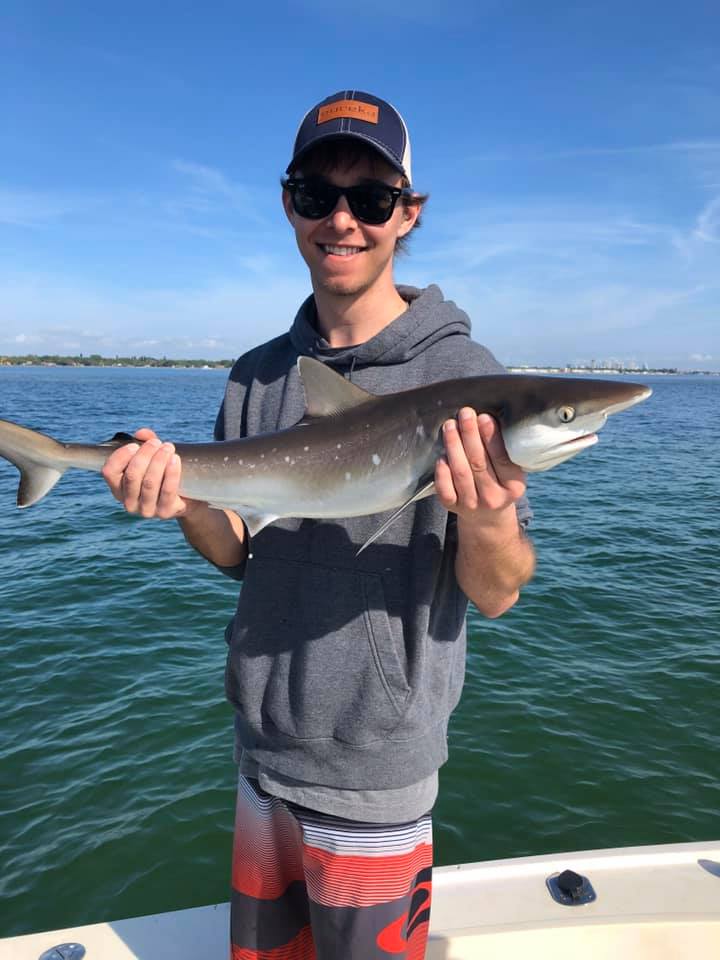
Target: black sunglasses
315	198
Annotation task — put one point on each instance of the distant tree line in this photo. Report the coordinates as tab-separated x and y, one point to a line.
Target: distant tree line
95	360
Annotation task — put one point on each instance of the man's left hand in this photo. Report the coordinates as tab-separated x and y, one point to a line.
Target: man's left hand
476	479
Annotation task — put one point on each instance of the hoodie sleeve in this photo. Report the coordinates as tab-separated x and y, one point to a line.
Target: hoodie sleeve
230	425
230	421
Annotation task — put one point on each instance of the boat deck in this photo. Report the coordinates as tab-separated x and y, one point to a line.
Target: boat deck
653	903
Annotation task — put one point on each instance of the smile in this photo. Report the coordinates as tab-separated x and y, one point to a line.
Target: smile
340	251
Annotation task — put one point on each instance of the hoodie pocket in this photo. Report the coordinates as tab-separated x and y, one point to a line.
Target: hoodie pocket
313	655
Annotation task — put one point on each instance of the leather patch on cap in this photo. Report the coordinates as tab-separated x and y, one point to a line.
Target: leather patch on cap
348	109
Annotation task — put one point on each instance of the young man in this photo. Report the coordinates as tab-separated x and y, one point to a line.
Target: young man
344	670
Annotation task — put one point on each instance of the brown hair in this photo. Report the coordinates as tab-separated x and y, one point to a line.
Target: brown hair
344	154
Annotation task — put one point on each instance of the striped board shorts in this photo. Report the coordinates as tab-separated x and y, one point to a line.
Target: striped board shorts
308	886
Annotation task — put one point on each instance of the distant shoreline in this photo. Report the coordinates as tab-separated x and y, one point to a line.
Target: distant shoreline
52	360
620	371
35	360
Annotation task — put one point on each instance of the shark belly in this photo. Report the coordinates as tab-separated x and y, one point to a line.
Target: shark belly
306	478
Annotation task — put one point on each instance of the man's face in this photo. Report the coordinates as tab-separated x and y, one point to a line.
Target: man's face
345	256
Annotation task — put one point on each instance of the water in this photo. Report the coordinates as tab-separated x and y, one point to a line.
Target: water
590	715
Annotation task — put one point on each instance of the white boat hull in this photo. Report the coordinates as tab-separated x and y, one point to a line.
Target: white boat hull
653	903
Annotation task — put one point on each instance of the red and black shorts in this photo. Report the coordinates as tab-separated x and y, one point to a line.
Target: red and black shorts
308	886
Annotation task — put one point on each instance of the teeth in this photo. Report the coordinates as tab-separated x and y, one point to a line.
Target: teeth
341	251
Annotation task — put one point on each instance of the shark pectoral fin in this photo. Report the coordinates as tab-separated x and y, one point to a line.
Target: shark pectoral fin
327	392
253	520
425	491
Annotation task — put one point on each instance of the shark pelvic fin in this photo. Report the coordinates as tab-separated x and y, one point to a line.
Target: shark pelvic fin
254	521
326	391
425	491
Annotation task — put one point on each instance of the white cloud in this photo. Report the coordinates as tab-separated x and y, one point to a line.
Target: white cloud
544	281
28	208
708	222
210	189
224	317
678	146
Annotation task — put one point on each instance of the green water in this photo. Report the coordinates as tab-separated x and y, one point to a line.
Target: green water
590	715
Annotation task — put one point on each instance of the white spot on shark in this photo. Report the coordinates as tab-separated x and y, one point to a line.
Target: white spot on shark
376	460
339	446
287	459
420	430
348	476
225	459
306	449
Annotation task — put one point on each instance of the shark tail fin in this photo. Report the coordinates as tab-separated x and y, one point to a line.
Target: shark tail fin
35	482
38	458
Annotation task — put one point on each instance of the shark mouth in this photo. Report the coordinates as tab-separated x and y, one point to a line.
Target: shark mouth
563	451
578	443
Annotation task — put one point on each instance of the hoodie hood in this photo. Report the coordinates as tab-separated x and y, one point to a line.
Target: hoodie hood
429	318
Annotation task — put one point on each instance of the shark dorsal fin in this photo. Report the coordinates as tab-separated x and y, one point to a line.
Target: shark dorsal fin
327	392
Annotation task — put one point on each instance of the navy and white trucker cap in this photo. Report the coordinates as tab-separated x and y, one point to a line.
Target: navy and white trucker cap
352	113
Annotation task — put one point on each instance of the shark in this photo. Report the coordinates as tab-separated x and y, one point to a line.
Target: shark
353	453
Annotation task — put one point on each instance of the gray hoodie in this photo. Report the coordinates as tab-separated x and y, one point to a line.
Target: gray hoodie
343	670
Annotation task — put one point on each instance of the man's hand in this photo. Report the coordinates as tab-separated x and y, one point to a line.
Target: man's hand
476	479
145	478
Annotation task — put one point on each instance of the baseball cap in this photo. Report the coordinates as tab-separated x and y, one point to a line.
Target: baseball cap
362	116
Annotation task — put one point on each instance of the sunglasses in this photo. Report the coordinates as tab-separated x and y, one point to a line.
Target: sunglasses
372	202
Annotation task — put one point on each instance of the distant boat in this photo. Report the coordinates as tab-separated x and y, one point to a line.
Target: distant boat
632	903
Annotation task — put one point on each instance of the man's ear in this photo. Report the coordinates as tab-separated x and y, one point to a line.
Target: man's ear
411	211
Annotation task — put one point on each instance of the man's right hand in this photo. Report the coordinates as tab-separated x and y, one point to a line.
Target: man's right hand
145	478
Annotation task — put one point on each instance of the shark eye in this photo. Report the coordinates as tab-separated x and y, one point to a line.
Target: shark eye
566	414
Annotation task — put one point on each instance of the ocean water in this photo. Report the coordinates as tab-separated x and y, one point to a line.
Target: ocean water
591	711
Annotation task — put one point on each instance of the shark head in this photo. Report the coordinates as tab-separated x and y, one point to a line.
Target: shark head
549	420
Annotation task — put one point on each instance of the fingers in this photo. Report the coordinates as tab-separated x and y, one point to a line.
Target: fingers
476	472
115	466
444	486
169	503
146	478
467	460
145	433
509	475
494	444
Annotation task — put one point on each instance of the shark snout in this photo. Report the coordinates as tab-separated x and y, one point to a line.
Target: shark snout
640	394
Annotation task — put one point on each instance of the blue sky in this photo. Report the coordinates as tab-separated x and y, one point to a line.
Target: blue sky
571	150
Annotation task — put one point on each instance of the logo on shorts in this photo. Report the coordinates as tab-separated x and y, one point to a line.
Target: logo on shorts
395	936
